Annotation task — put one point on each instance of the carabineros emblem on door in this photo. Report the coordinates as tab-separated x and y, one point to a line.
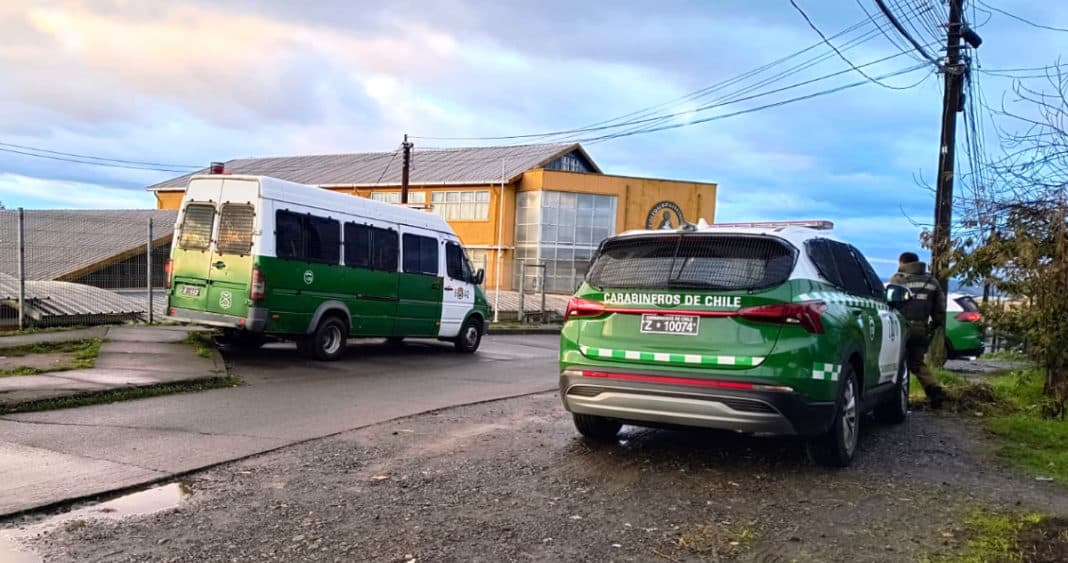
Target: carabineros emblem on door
309	277
226	299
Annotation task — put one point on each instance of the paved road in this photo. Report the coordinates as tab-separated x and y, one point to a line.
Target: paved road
53	456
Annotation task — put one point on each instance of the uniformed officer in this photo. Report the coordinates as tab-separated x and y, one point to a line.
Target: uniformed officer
927	297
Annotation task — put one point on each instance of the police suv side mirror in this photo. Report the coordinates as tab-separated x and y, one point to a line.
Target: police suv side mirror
897	296
480	276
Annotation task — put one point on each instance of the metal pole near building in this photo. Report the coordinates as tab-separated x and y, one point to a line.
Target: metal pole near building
522	288
22	269
541	285
500	252
148	280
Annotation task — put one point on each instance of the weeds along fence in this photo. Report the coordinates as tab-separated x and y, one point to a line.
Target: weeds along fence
82	267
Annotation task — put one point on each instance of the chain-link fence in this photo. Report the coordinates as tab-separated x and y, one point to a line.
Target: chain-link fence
82	267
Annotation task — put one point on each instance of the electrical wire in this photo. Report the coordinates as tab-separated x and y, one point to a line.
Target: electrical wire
98	158
759	108
828	42
91	162
1021	19
897	25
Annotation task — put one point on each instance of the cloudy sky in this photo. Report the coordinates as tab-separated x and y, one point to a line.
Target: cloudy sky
180	84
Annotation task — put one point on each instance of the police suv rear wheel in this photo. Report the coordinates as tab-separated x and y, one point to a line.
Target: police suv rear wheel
597	428
836	447
328	342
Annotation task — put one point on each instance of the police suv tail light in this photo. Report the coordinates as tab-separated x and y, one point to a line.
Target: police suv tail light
258	289
578	307
169	273
969	317
807	314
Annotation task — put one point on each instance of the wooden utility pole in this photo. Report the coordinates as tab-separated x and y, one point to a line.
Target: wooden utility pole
406	165
951	104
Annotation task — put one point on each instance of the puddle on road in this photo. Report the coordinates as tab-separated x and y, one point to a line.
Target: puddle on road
141	503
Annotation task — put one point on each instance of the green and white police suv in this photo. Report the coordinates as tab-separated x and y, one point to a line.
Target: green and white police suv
260	256
763	328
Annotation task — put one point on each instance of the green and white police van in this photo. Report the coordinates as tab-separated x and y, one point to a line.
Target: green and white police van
258	256
763	328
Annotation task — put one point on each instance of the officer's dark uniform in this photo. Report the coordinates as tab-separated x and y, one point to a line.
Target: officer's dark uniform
927	297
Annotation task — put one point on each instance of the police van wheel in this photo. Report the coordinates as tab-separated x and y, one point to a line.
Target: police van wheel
470	336
597	428
895	411
836	447
330	338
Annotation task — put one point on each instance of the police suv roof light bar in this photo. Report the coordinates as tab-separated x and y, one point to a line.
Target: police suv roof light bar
815	224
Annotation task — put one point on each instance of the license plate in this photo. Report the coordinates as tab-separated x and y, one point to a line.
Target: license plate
669	324
190	290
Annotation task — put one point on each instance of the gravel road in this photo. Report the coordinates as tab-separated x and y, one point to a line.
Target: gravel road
512	481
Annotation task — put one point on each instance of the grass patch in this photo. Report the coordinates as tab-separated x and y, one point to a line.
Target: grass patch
1007	537
1010	405
718	539
84	356
40	330
1007	355
202	343
116	395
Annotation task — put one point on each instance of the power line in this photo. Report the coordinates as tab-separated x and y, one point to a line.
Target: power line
1021	19
897	25
760	108
835	49
90	162
889	37
99	158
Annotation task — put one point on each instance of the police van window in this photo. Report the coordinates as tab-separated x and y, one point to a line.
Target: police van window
307	237
455	262
384	249
196	227
288	235
357	245
692	261
853	278
420	255
322	240
235	229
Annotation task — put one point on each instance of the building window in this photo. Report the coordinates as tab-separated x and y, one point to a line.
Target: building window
461	206
561	230
394	197
570	162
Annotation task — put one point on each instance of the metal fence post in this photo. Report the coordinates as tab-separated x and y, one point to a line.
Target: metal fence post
148	256
522	288
22	269
541	286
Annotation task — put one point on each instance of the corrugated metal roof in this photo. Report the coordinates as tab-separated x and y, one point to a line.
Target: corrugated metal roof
63	242
471	165
48	302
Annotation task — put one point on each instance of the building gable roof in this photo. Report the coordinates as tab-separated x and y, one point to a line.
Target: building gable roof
456	166
65	244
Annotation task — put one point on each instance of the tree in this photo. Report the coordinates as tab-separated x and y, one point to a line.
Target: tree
1016	231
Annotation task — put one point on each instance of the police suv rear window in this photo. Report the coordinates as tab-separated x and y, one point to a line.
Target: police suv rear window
724	262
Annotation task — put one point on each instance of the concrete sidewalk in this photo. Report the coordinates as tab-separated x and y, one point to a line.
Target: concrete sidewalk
129	357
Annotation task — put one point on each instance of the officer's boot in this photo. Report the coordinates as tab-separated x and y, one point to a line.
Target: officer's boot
935	395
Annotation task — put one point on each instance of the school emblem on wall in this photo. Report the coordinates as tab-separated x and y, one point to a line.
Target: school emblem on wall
665	215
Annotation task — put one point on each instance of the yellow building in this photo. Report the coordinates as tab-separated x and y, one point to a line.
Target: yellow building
539	204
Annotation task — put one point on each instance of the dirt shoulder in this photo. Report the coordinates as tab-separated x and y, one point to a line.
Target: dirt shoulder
511	480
